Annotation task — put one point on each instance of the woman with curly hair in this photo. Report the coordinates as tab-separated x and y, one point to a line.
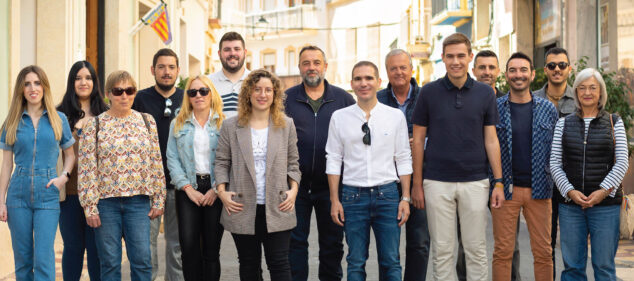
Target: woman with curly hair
257	173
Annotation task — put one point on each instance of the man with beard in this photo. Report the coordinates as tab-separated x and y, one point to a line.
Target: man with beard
228	80
401	93
161	101
525	133
558	92
311	105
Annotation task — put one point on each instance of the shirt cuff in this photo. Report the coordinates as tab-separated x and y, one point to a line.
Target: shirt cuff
91	210
612	193
68	144
4	146
565	192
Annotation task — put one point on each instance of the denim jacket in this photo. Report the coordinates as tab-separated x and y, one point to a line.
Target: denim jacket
544	119
180	152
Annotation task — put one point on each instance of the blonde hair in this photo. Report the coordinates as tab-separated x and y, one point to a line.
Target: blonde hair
18	105
117	77
186	108
244	99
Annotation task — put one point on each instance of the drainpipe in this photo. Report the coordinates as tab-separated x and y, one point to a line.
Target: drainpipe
598	33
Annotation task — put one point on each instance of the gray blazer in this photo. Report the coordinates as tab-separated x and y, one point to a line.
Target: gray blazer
235	166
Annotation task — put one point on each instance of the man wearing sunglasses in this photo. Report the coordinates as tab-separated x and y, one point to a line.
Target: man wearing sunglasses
311	105
228	80
558	92
161	101
370	140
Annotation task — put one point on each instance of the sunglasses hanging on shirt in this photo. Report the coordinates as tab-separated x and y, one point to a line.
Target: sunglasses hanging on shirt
168	111
367	140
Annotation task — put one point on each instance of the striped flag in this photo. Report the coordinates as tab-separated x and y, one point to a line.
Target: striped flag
159	21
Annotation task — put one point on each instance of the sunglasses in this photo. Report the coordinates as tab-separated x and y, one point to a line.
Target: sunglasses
203	92
367	140
168	111
562	65
130	91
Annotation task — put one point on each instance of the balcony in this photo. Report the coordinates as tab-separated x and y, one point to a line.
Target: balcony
451	12
299	18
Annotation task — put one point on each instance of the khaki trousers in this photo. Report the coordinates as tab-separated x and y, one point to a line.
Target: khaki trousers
538	218
442	201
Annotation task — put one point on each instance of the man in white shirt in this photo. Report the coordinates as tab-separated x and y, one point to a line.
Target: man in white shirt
370	140
228	80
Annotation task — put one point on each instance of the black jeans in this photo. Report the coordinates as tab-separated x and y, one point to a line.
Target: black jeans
200	233
553	231
330	237
275	244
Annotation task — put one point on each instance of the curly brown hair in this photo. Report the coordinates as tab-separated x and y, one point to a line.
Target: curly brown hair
244	98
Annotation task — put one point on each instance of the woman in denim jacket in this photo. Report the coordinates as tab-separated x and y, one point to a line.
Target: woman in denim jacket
191	150
32	134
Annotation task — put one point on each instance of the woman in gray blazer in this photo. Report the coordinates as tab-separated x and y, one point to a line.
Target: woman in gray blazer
257	173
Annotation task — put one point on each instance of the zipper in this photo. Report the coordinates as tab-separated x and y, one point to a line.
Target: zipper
33	163
312	166
583	168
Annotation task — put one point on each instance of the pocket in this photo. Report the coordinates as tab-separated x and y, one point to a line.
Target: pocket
389	195
349	196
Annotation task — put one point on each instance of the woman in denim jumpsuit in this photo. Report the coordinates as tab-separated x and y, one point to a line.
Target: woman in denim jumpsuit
191	151
31	137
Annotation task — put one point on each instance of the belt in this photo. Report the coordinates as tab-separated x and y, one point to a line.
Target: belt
203	177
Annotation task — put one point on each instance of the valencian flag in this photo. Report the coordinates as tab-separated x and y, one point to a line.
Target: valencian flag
159	21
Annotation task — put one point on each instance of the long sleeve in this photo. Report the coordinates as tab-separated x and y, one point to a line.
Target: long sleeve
174	165
614	178
559	176
88	176
157	172
222	164
334	149
403	153
293	154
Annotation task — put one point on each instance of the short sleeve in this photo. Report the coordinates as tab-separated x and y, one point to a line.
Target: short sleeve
420	116
3	141
491	116
67	136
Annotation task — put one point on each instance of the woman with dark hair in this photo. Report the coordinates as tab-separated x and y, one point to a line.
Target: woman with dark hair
257	173
82	101
32	135
588	162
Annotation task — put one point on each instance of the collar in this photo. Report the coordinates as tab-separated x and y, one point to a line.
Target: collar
27	114
568	93
224	77
192	120
409	93
450	86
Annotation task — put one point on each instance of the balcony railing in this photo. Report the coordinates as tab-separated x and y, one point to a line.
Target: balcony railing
450	11
298	18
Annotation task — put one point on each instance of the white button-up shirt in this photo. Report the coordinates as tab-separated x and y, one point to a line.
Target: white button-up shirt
387	157
202	150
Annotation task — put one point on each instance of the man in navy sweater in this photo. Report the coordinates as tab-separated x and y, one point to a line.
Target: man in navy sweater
311	105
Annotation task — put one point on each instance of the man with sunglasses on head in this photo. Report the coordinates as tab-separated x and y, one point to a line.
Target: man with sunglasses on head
161	101
311	104
228	80
558	92
370	140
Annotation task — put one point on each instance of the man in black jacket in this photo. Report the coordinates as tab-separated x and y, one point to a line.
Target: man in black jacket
311	105
401	93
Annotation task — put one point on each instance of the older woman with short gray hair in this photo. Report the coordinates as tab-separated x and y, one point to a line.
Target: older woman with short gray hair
588	161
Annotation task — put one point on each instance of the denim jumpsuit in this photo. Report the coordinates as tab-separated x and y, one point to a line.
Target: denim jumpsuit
33	209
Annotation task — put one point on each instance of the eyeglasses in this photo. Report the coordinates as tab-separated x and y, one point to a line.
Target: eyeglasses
562	65
203	92
168	111
130	91
367	140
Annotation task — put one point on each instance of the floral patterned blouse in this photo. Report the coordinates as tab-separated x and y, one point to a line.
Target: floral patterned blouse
129	161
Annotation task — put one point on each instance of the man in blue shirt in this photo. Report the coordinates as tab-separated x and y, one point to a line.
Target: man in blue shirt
401	93
458	115
525	133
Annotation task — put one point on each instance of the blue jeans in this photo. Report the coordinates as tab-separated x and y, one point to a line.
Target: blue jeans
602	224
78	238
125	217
330	237
32	216
375	207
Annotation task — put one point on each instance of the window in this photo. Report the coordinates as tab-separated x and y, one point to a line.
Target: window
290	60
268	61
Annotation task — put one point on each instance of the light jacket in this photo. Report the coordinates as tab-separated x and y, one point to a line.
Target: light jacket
544	120
180	152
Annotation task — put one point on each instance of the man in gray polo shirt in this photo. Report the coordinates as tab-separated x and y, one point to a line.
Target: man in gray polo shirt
229	79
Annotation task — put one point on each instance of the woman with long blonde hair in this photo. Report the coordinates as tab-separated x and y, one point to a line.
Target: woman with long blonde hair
257	173
31	138
191	151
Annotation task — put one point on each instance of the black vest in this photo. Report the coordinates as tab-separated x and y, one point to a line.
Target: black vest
588	161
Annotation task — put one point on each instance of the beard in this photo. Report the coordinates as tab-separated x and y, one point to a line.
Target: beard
232	69
517	89
165	87
312	81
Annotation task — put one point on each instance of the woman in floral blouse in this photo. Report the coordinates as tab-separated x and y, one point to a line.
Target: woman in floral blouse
121	180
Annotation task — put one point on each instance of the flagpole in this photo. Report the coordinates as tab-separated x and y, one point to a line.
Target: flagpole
139	24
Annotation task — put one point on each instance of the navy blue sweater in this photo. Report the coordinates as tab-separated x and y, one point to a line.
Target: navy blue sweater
312	131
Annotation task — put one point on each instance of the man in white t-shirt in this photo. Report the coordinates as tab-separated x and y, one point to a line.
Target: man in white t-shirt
228	80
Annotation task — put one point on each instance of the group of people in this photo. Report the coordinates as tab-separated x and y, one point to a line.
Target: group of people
233	151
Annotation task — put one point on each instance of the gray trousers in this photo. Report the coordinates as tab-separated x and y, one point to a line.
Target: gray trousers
173	264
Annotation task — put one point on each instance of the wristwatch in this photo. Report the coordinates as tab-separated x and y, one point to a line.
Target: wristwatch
406	199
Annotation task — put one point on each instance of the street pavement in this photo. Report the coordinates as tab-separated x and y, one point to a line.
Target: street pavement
229	260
